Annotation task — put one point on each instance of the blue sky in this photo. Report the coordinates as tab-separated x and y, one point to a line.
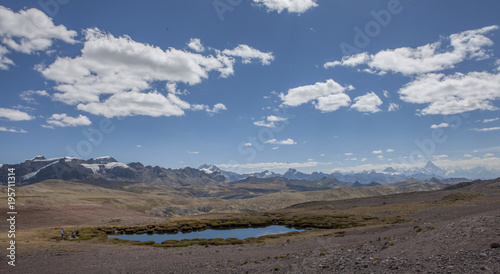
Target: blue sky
252	85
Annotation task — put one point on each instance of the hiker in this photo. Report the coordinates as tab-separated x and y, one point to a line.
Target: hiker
73	236
62	233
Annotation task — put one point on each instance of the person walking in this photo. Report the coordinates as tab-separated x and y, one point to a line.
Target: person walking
62	233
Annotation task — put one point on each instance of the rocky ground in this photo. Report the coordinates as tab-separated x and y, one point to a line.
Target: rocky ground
459	245
454	237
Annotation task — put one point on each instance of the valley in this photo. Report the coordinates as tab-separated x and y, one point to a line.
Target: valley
353	229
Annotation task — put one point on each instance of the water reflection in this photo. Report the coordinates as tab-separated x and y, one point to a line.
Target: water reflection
238	233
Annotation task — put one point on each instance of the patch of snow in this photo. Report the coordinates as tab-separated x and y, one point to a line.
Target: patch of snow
115	164
30	175
33	174
94	167
47	160
103	158
207	170
1	165
37	158
69	159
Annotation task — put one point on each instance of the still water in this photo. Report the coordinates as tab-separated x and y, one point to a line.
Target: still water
238	233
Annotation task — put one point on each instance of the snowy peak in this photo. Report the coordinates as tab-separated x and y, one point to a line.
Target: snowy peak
431	169
431	166
39	158
389	170
106	169
209	169
104	160
264	174
293	174
233	176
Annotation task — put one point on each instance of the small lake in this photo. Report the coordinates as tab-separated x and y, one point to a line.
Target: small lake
238	233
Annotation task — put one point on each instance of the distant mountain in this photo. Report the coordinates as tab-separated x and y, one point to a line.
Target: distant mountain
230	176
474	173
419	185
358	184
390	170
293	174
387	176
106	171
264	174
233	176
295	185
431	170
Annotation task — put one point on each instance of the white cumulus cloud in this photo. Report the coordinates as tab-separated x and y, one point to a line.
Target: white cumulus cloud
454	93
270	121
369	102
273	118
136	103
4	61
330	95
292	6
264	124
283	142
28	95
217	108
4	129
28	31
113	76
486	129
490	120
332	102
393	107
196	45
15	115
63	120
427	58
442	125
248	53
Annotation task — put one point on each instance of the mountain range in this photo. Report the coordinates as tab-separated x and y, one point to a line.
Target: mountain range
107	171
387	176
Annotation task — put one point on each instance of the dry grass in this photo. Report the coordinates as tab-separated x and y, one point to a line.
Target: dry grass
329	214
144	197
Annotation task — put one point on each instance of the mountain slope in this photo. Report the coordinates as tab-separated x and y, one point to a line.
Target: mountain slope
106	171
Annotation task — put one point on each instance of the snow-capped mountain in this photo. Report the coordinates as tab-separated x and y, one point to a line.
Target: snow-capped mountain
431	170
106	170
387	176
390	170
233	176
